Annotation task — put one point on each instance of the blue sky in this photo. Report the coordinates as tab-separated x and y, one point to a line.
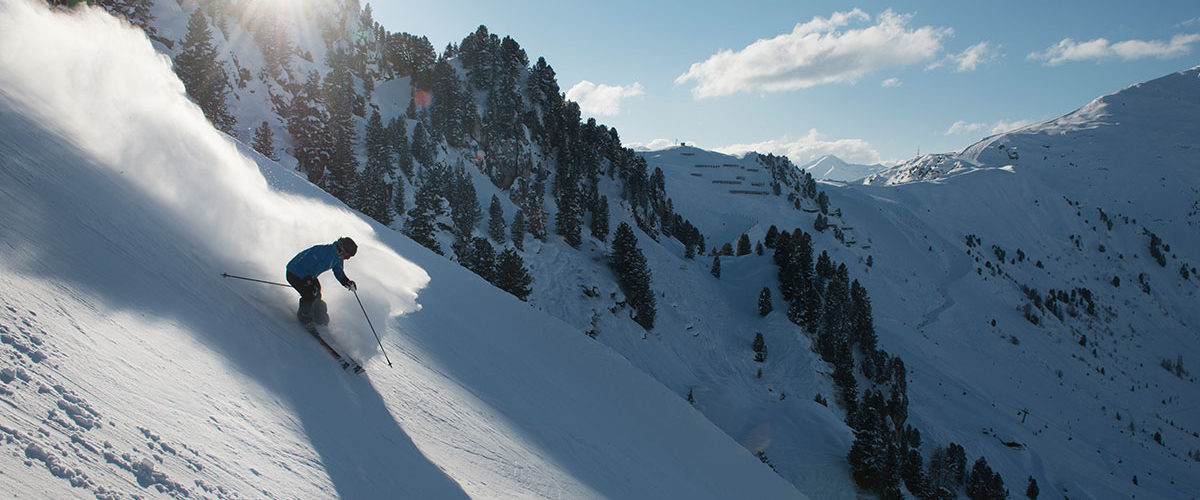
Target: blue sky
869	81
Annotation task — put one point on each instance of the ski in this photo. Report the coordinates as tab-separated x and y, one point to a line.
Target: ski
347	363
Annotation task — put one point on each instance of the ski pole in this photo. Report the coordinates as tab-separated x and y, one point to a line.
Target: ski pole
364	310
227	275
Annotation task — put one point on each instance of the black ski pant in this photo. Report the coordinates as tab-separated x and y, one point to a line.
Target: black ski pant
312	308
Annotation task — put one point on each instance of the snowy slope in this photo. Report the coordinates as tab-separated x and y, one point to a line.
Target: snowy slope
121	264
1070	204
131	368
1082	404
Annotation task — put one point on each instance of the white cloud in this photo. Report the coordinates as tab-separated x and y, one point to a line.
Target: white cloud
1009	125
970	59
655	145
818	52
602	100
1195	21
891	83
963	127
809	148
1069	50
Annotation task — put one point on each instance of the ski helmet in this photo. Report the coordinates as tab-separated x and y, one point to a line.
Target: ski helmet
347	246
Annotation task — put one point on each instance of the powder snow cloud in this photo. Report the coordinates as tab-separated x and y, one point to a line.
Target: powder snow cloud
1069	50
601	99
821	51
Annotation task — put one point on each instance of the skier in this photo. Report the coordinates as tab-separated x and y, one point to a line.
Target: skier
306	266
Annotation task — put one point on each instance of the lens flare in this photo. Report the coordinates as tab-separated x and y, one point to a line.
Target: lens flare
422	98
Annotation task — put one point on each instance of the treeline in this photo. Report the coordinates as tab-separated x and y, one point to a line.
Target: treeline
836	312
411	171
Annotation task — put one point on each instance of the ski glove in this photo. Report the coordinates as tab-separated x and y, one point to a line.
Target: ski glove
350	285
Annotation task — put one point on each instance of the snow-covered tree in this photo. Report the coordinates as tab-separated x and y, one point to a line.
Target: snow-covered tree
743	245
633	274
374	187
764	302
264	141
517	230
511	275
497	227
340	98
419	225
202	73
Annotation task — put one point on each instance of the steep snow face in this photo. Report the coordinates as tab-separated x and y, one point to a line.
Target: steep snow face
1103	202
964	252
130	367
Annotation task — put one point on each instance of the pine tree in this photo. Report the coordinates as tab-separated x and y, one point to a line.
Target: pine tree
911	466
478	256
343	161
276	48
422	146
1031	491
203	76
873	458
306	124
464	205
450	117
568	222
862	323
983	484
399	204
843	373
716	267
517	230
535	214
600	220
743	245
957	463
821	223
764	302
940	480
834	327
420	222
772	234
546	98
511	275
497	227
633	275
397	138
264	141
760	348
375	192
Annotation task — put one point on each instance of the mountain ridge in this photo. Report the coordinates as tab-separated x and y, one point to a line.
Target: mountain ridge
830	167
950	264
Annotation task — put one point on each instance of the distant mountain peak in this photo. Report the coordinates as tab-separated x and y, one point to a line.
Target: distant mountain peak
831	168
1119	130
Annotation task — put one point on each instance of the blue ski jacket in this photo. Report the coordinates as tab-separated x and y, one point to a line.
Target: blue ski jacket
316	260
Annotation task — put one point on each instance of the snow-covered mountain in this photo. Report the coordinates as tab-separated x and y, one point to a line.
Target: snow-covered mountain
1026	298
131	368
832	168
1058	290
